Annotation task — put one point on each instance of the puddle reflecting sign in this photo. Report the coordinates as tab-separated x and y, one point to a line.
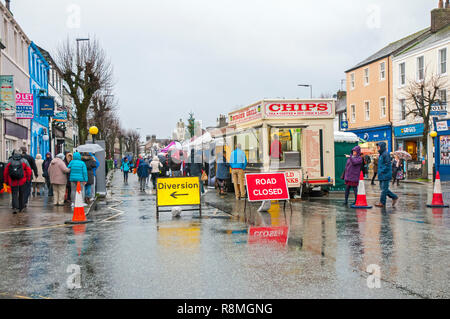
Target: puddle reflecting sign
178	191
268	234
266	186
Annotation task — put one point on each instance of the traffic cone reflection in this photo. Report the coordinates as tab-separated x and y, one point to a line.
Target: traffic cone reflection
79	231
361	200
437	201
79	217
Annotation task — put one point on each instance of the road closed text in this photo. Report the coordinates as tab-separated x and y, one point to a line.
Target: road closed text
267	186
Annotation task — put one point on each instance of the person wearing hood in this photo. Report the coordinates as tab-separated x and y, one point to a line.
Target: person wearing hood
94	170
33	167
39	181
385	176
90	165
16	175
352	172
78	173
156	166
58	177
45	166
143	171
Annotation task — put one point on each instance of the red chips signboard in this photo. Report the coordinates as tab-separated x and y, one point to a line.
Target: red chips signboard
268	234
266	186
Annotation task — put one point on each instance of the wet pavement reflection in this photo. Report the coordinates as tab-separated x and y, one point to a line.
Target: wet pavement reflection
235	251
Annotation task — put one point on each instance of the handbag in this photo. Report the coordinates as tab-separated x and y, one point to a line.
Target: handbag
400	174
204	177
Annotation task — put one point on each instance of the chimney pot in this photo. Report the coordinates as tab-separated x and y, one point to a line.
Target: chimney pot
447	4
441	4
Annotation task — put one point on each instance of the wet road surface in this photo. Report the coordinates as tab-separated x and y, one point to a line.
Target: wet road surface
126	253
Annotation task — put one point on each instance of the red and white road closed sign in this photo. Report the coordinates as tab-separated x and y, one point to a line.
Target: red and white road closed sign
268	234
266	186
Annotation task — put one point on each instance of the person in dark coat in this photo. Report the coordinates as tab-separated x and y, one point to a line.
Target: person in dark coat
45	166
375	169
90	165
385	175
143	172
33	167
223	173
195	168
397	169
352	172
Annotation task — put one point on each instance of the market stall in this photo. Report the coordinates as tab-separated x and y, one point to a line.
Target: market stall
291	136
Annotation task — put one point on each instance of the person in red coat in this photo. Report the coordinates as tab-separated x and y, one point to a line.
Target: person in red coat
275	148
18	185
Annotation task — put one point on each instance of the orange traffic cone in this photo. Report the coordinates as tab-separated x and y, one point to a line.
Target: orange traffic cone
361	200
437	193
78	212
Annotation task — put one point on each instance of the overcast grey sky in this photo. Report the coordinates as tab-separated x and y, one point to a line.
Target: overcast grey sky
207	56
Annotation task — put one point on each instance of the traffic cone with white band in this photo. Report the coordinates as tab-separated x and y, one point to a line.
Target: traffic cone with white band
361	200
437	201
79	216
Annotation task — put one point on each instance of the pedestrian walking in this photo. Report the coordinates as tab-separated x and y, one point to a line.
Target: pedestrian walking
156	167
45	166
195	168
94	170
125	168
90	165
143	171
352	172
39	181
78	173
16	175
367	161
238	163
58	177
223	173
67	160
397	170
385	176
34	169
375	169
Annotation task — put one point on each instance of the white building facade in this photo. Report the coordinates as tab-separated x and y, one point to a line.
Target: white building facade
13	61
426	59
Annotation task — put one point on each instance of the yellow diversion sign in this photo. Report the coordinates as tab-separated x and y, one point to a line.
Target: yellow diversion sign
178	191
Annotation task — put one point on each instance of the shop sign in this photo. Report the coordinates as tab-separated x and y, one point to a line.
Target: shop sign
266	186
409	130
7	94
24	106
293	178
306	109
46	106
438	109
441	126
246	115
60	116
344	125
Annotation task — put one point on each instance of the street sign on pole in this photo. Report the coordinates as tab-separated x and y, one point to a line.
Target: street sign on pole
178	191
266	186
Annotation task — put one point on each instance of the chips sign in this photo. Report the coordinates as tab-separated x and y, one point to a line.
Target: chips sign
266	186
268	235
178	191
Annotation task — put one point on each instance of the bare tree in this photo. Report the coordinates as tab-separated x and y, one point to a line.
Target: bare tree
132	138
420	97
86	72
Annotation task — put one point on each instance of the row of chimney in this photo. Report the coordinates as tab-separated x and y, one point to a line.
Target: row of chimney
440	17
441	4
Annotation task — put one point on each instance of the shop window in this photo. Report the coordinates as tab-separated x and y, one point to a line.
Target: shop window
251	143
9	148
443	61
283	140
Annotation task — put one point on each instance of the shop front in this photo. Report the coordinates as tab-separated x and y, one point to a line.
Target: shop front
15	136
372	136
408	138
290	136
442	148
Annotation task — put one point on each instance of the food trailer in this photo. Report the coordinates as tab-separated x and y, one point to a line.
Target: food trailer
303	129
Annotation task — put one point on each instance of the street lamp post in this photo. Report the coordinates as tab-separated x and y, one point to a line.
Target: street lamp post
307	85
93	130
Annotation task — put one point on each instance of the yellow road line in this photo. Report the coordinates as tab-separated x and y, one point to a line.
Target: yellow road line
31	229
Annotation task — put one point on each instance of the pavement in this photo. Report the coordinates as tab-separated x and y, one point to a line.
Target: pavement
127	253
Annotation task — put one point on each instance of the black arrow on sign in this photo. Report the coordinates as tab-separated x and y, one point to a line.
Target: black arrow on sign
174	195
